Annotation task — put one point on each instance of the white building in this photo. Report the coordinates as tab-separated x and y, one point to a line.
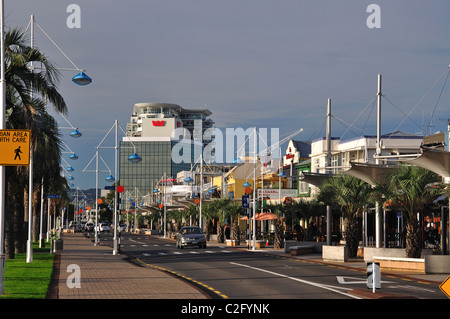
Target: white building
361	150
159	120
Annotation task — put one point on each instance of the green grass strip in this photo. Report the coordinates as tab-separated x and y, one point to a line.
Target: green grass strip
28	280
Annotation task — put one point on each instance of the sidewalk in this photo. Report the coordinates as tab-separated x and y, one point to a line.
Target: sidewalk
107	276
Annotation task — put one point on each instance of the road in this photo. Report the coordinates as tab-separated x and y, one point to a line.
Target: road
228	272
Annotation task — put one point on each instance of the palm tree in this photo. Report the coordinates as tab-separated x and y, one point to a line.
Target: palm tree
351	194
21	81
409	190
25	91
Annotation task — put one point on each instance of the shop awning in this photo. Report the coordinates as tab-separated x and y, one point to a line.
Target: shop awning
435	160
316	179
370	173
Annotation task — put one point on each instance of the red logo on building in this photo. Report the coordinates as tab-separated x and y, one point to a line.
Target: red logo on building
158	123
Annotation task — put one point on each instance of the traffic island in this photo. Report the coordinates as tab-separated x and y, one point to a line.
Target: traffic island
368	294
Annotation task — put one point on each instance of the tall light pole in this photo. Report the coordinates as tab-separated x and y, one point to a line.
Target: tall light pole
378	206
116	151
254	189
2	168
30	175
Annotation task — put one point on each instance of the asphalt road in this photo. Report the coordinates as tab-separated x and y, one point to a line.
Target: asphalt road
227	272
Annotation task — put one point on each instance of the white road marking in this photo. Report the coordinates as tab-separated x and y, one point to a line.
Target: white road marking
343	280
326	287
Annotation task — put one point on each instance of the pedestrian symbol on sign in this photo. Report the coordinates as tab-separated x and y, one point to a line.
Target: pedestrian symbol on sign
17	151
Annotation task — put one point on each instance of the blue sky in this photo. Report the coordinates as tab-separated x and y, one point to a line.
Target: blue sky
263	63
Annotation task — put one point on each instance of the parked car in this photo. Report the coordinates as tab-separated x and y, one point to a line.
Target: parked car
103	227
122	227
191	236
74	225
89	227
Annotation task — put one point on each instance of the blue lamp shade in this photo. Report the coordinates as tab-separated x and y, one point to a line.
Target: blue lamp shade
246	184
109	178
72	185
70	169
156	190
81	79
75	133
188	179
71	178
282	175
134	158
73	156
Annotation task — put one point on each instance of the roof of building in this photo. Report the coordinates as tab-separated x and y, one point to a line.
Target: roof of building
303	147
177	107
396	134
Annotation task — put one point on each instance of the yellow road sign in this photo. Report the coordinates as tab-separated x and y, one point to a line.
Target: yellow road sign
15	147
445	287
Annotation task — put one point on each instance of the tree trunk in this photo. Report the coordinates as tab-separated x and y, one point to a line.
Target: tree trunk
278	240
352	236
20	225
413	239
235	231
36	213
220	234
9	223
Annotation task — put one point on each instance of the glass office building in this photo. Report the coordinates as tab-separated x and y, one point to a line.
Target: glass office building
156	161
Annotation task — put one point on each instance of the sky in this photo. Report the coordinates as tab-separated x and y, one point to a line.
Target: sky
263	63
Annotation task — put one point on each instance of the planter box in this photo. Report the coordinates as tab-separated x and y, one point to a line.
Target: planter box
370	252
335	253
437	264
302	250
402	264
259	244
231	243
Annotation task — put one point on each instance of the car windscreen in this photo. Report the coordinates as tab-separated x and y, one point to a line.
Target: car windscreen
191	231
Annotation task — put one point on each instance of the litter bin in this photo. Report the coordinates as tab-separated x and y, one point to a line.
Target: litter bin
57	245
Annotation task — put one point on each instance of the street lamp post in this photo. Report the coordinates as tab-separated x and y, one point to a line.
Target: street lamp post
109	178
2	168
116	149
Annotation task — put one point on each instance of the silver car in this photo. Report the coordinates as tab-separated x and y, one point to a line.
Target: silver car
191	236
